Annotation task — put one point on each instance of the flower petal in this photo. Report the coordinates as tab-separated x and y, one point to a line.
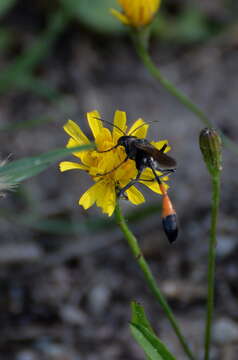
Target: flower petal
69	165
94	122
135	196
154	186
139	129
106	199
90	196
159	145
120	16
119	121
76	133
86	156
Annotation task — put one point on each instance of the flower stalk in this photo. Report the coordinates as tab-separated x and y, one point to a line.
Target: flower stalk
142	52
210	145
211	264
141	41
150	280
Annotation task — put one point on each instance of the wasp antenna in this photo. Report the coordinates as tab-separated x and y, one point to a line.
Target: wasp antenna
138	127
108	122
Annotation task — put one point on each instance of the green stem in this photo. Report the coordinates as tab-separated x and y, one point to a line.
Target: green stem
141	45
133	243
211	263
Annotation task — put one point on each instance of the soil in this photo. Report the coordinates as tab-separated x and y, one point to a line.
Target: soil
66	295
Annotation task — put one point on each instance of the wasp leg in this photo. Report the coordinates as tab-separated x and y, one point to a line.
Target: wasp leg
104	151
138	180
115	168
163	148
132	182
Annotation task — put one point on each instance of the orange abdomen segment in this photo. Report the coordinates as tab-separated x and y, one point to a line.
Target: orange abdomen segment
169	217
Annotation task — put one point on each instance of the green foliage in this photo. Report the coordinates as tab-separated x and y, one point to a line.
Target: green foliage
19	170
5	5
145	336
5	39
19	72
95	14
189	26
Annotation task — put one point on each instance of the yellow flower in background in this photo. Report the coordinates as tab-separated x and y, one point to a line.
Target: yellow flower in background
104	191
137	13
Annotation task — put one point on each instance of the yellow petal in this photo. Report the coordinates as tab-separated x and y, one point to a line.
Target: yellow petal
73	143
90	196
159	145
154	186
104	140
119	121
135	196
120	16
138	129
148	175
94	122
85	156
69	165
139	12
106	199
76	133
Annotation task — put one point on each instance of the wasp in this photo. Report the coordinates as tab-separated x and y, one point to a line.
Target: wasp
146	155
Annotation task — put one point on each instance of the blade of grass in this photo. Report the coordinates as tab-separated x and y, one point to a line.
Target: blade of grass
151	344
19	170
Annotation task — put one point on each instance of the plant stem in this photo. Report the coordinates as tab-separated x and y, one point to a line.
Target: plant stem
211	263
141	45
133	243
141	49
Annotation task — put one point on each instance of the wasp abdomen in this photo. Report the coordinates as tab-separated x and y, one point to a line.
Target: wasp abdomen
170	227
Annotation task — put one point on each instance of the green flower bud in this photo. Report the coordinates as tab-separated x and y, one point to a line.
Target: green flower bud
210	145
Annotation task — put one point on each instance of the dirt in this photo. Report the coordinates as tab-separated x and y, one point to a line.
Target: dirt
67	296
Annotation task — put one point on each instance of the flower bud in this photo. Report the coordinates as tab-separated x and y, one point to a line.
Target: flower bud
137	13
210	145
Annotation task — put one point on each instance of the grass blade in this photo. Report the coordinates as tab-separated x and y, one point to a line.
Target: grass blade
19	170
151	344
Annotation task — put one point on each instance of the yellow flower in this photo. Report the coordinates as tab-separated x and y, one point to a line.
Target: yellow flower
137	13
104	191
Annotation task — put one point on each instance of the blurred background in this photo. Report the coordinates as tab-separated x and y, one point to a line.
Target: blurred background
66	275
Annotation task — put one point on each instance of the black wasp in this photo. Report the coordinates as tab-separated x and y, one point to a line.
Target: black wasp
146	155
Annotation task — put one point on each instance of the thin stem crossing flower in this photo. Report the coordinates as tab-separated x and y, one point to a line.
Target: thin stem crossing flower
104	191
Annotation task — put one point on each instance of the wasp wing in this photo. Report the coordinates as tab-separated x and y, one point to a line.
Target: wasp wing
159	156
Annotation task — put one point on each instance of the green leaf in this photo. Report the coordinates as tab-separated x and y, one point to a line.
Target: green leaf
5	5
151	344
138	315
19	170
95	14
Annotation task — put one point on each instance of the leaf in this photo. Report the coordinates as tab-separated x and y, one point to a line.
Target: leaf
151	344
139	317
19	170
5	5
95	14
